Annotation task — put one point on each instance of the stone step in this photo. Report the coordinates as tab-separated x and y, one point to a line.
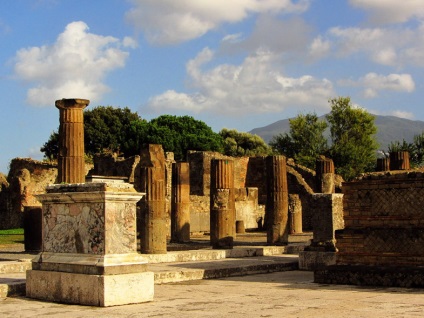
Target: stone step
177	272
14	283
19	266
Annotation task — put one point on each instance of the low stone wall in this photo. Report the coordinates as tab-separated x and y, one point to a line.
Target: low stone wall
384	232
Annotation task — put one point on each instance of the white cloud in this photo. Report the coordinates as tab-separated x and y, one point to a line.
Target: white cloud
395	47
391	11
74	66
374	83
255	86
319	48
168	21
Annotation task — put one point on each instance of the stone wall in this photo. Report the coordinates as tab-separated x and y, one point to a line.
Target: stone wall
384	232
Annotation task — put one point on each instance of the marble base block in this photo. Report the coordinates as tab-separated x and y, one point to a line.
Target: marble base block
91	290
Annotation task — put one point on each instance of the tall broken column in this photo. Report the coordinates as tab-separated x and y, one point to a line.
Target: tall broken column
152	221
222	204
276	210
71	167
180	205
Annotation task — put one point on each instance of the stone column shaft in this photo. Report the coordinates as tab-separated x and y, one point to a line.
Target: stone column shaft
222	204
152	221
180	206
325	172
276	210
71	165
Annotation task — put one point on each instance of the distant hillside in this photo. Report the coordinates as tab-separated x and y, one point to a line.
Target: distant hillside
389	128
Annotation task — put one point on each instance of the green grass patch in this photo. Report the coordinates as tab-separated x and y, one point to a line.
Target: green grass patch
11	236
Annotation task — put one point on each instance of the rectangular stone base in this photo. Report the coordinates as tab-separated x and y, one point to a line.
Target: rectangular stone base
313	260
407	276
92	290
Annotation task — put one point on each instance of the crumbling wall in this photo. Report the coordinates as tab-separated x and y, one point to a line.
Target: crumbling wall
26	178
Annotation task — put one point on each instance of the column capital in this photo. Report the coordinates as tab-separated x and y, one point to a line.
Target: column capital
65	103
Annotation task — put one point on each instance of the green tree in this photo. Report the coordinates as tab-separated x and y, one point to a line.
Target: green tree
178	134
353	132
106	128
113	129
51	147
239	144
305	141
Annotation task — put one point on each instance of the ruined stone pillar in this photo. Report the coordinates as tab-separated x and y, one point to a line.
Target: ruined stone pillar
325	175
276	209
295	214
399	160
152	221
383	164
180	203
222	204
71	166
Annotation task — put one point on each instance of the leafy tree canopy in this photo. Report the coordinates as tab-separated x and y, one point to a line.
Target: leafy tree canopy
305	141
353	146
239	144
178	134
118	130
353	130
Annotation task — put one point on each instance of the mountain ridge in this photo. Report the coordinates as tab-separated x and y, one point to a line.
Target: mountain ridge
389	129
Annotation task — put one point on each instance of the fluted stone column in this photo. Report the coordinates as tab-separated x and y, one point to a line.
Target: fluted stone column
399	160
276	210
71	166
383	164
180	205
152	221
222	204
325	175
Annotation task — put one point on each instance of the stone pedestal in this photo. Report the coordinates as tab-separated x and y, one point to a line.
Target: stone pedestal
276	210
71	164
222	204
327	219
152	221
180	205
89	253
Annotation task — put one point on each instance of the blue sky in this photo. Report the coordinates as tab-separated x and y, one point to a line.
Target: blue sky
238	64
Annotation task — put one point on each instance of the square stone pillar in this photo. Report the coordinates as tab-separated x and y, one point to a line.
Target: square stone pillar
89	251
327	218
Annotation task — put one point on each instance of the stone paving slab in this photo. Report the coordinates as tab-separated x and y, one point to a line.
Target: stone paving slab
280	294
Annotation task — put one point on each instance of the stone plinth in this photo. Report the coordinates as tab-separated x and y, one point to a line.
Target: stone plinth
71	166
153	215
180	205
222	204
276	210
89	251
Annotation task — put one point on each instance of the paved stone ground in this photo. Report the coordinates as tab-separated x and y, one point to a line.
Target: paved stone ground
284	294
